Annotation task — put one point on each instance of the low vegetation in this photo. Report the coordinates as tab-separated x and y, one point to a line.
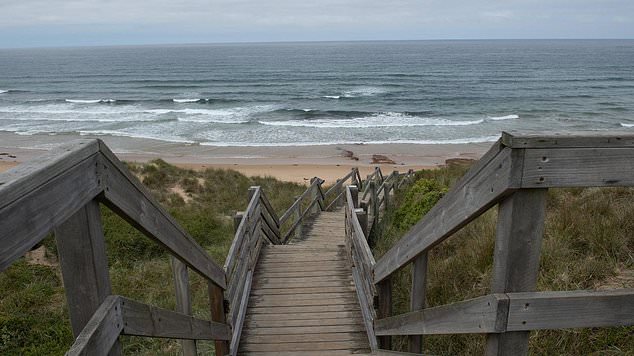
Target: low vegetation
588	244
33	313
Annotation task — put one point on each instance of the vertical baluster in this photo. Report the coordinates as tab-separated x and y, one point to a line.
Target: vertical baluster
84	264
516	259
417	296
384	290
298	218
183	300
218	313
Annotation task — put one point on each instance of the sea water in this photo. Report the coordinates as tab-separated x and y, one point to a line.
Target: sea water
320	92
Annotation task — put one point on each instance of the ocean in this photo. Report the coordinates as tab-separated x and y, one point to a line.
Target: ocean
278	94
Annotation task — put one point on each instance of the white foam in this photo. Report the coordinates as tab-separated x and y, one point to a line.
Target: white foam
506	117
626	125
89	101
3	91
457	141
186	100
235	115
216	120
388	119
133	135
363	91
332	96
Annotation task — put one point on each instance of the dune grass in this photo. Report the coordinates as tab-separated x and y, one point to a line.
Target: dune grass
588	244
33	313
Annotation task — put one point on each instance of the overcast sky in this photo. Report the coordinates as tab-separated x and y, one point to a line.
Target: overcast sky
31	23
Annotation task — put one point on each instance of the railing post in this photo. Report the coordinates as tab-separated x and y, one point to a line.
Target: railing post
314	195
417	296
183	300
384	291
362	216
354	193
218	313
298	217
386	195
84	264
375	202
354	180
237	219
520	229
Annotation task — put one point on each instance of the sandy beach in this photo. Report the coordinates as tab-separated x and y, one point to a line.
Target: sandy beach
290	163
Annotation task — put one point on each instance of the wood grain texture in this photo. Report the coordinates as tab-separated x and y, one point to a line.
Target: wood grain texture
102	330
125	195
303	296
575	309
578	167
568	139
41	207
461	205
84	264
519	235
478	315
145	320
183	300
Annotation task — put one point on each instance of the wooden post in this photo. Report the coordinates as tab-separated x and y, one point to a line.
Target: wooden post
237	219
298	217
314	195
386	195
384	290
183	300
354	180
340	197
218	313
417	296
516	259
354	193
363	221
84	264
375	202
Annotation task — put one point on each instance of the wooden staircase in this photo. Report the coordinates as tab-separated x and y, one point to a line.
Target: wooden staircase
303	299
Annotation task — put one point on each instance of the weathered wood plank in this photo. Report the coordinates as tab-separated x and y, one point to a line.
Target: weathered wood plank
84	264
576	309
29	218
384	310
305	330
218	315
102	330
317	320
367	310
325	337
304	346
456	209
302	290
417	296
145	320
129	198
183	300
516	258
568	139
30	175
302	309
478	315
578	167
238	324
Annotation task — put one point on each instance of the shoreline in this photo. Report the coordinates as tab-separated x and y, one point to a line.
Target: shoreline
289	163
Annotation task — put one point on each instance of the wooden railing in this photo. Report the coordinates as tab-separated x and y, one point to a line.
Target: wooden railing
259	225
515	175
61	192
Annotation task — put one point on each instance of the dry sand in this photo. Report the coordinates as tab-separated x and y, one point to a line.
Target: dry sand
290	163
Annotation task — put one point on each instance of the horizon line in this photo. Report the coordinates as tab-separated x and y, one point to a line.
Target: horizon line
315	41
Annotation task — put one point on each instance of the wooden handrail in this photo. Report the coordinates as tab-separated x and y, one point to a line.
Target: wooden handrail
515	173
61	191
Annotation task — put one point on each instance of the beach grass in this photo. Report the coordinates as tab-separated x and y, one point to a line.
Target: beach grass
588	244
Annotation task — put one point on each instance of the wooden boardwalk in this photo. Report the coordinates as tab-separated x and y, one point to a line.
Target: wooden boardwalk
303	299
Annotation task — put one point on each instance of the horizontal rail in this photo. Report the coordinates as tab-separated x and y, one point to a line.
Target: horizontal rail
122	316
466	201
124	194
498	313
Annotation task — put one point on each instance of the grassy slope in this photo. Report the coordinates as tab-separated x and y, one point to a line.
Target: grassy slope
588	244
33	314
